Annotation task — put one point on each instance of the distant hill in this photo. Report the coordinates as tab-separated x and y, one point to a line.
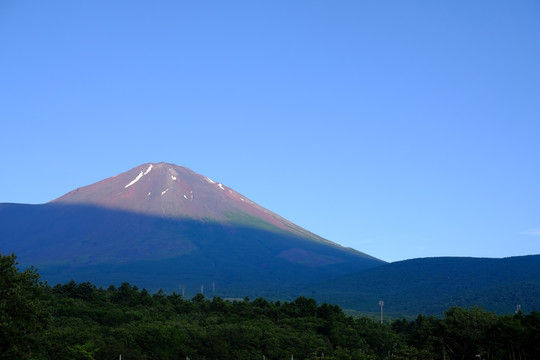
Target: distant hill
432	285
165	226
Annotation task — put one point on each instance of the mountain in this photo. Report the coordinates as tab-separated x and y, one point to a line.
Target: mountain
165	226
172	191
432	285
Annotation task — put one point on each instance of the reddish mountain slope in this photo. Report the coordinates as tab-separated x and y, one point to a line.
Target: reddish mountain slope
169	190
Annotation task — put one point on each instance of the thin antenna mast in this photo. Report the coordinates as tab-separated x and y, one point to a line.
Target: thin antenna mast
381	304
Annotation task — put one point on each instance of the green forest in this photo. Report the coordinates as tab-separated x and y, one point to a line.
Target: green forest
82	321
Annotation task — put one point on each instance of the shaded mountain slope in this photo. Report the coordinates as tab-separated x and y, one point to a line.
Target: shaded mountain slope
110	246
432	285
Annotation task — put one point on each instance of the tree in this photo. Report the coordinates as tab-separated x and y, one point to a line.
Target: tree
467	331
23	316
86	351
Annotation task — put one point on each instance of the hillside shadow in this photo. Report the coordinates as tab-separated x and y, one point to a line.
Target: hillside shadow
89	243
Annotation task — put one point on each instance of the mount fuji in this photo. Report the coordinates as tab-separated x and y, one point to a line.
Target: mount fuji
160	225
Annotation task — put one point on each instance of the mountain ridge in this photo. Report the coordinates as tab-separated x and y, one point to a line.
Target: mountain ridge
431	285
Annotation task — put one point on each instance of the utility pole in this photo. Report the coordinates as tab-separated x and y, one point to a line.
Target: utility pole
381	304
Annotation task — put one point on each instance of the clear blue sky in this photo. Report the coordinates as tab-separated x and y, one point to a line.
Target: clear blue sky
403	129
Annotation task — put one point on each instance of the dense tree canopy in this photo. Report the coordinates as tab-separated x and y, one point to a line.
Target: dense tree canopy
81	321
23	316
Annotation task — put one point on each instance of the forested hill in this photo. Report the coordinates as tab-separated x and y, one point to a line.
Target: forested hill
81	321
432	285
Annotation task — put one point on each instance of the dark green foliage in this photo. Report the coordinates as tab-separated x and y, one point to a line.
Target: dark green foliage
81	321
467	332
23	316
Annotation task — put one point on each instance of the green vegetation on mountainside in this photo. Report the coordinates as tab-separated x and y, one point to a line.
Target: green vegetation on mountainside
432	285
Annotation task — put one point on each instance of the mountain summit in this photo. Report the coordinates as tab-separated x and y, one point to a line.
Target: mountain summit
160	225
173	191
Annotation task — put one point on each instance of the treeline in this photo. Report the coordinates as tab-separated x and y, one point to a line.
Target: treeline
82	321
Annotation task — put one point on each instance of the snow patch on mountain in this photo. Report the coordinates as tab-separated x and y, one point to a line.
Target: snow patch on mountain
135	180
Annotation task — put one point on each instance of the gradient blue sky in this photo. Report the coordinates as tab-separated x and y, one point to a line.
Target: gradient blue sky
403	129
